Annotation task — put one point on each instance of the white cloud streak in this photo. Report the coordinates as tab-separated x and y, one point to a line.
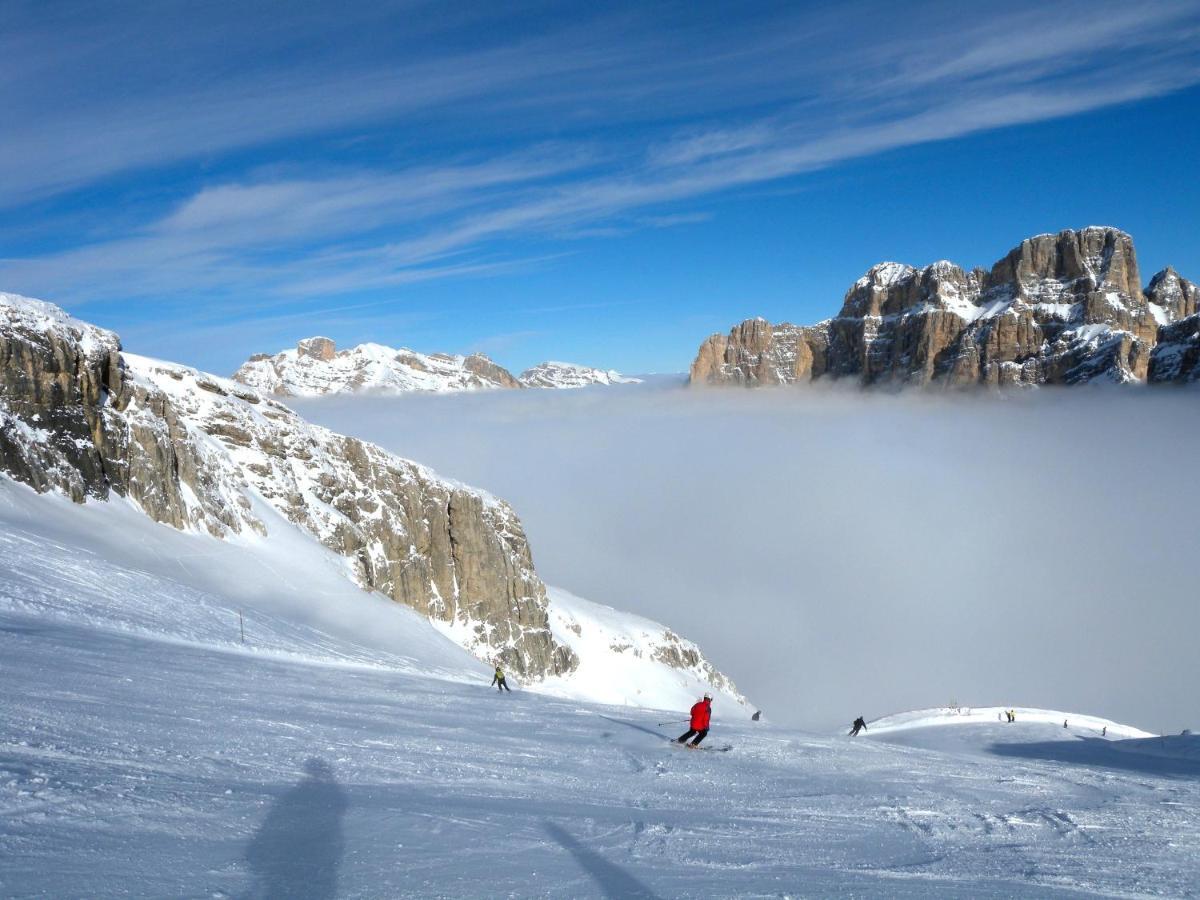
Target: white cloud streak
295	230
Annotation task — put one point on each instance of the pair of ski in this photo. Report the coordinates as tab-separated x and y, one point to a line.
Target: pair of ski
724	749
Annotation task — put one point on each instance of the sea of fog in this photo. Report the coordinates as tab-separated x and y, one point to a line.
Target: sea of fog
842	554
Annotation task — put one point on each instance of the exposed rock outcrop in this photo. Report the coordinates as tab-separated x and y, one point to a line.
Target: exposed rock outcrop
316	367
194	451
1176	357
1061	308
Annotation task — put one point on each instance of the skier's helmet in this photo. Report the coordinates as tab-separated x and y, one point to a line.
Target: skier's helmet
707	696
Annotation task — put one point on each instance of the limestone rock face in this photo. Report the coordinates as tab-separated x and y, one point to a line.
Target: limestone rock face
316	367
1063	308
757	352
72	421
197	452
1088	260
319	348
1176	358
1172	297
489	372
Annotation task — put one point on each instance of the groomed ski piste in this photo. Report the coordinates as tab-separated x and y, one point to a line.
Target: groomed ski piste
146	751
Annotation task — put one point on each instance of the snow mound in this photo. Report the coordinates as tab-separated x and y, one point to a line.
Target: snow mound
993	715
628	660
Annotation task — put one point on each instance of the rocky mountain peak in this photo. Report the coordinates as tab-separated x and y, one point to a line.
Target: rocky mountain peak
321	348
890	289
1093	258
489	371
316	367
1057	309
1174	296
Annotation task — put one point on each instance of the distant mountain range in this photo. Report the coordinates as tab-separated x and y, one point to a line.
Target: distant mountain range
315	367
1058	309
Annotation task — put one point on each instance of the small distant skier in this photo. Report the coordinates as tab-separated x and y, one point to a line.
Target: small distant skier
499	682
701	716
1104	731
857	726
1012	715
1064	723
757	715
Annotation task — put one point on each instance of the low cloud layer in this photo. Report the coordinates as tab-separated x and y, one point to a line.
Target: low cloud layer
842	555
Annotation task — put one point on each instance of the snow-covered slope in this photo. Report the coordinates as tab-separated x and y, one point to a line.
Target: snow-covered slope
630	660
106	566
145	751
570	375
315	367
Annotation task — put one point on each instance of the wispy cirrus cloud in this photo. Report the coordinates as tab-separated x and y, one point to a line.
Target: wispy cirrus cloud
457	146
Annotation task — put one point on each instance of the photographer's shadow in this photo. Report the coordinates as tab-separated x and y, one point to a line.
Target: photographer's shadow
297	850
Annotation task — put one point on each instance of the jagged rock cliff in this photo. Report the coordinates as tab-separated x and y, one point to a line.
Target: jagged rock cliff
1057	309
199	452
316	367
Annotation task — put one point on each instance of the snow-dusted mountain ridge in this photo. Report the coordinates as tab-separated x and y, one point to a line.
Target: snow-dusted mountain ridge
205	454
315	368
571	375
1064	308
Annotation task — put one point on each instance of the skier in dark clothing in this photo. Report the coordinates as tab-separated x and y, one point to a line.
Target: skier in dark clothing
859	725
499	682
701	716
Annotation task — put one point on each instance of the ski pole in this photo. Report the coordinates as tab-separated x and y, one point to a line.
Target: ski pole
675	722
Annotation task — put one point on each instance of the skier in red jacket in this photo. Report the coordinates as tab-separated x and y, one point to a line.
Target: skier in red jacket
701	714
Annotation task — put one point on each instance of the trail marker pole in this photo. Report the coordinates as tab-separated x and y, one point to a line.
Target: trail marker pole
242	626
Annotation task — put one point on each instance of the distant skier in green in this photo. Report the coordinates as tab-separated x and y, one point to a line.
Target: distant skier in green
499	682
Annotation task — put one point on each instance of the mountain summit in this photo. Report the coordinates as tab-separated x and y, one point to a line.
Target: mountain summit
315	367
1064	308
571	375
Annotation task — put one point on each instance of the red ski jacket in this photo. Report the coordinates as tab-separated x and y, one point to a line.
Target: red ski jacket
701	713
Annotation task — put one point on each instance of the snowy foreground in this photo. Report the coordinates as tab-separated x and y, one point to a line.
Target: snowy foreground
145	751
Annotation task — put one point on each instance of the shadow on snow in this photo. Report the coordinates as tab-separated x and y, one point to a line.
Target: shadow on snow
297	850
613	881
1176	755
643	728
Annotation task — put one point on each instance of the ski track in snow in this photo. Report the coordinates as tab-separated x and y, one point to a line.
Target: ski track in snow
145	752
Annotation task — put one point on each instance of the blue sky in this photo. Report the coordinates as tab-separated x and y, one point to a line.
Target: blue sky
600	183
